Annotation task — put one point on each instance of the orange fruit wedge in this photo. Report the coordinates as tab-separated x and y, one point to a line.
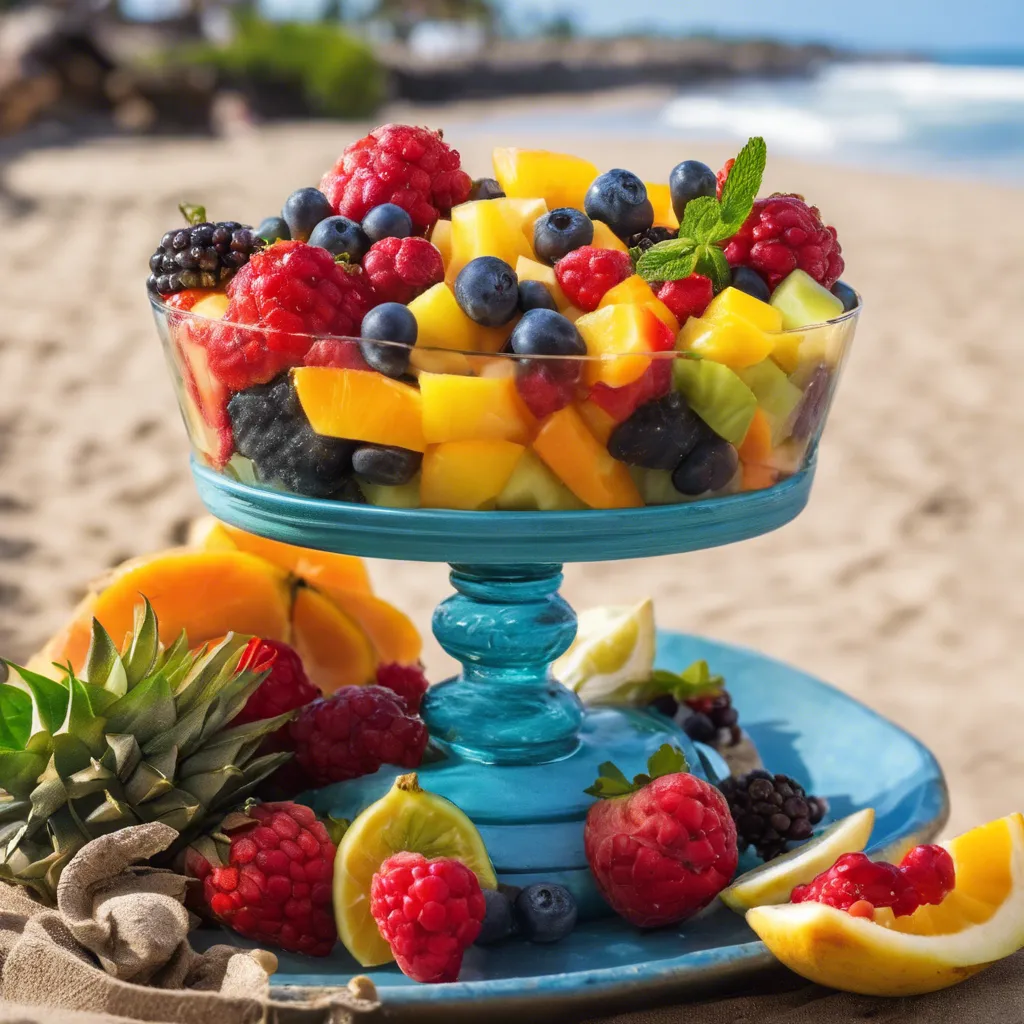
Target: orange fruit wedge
979	922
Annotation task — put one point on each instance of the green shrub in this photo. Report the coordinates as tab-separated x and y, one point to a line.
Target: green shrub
337	74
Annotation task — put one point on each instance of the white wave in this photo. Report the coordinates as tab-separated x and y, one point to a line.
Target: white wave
927	83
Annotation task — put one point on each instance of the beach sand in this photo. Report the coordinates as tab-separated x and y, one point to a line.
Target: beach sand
901	584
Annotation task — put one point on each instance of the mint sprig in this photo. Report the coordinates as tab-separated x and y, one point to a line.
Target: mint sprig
697	680
666	760
708	221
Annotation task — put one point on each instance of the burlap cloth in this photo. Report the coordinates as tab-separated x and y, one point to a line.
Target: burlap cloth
115	951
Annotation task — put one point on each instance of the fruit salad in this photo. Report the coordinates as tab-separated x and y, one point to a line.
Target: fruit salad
554	338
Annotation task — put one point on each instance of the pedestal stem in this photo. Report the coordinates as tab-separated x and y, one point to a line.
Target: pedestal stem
506	625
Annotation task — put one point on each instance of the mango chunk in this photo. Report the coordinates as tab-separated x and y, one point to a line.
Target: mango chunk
637	291
493	227
731	302
441	238
361	405
730	340
661	199
605	238
467	474
620	337
583	464
560	179
473	408
530	270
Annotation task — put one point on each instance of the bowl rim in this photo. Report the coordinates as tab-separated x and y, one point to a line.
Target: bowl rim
178	316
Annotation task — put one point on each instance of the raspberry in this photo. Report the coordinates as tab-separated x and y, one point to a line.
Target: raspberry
289	292
621	403
587	273
664	852
337	353
272	881
408	681
687	297
925	876
353	732
723	174
402	268
397	163
285	689
429	912
783	234
545	387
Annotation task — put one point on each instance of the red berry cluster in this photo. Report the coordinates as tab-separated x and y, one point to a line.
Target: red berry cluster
925	876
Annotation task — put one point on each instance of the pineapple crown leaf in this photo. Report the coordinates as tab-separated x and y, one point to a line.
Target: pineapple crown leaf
611	782
697	680
103	665
141	658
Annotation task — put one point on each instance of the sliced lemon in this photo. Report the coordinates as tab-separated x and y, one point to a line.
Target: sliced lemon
774	882
406	818
612	655
979	922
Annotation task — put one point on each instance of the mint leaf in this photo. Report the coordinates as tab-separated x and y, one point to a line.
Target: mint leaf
667	261
635	253
666	760
700	219
741	187
697	680
711	262
193	214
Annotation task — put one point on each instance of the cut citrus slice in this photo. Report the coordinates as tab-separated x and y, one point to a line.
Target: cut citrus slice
406	818
774	882
979	922
612	655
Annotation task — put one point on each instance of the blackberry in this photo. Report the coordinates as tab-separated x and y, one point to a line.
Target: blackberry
652	236
201	254
718	710
271	429
771	811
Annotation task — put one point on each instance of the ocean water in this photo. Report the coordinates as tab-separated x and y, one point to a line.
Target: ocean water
959	117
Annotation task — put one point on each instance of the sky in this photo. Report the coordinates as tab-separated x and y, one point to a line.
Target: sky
921	25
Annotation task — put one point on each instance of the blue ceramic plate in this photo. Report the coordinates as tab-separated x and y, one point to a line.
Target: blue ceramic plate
803	728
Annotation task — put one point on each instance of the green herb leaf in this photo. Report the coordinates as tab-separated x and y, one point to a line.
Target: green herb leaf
711	262
635	253
741	187
697	680
700	219
666	760
668	261
193	213
610	782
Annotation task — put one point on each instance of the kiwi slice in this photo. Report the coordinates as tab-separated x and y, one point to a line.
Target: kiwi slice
532	487
406	818
803	302
717	395
777	395
393	496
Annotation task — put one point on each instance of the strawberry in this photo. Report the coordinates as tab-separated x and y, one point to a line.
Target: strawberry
661	847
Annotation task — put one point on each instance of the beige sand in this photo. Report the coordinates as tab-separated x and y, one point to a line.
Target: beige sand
901	583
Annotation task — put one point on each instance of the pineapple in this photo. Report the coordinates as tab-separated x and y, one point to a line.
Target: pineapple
144	735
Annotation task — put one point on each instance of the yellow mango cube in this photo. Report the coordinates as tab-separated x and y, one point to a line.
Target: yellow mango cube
361	405
621	337
605	238
440	322
730	340
530	270
560	179
467	474
493	227
473	408
661	199
731	302
637	291
441	238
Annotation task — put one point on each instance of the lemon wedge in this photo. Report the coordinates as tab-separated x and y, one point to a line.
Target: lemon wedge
612	655
773	882
406	818
979	922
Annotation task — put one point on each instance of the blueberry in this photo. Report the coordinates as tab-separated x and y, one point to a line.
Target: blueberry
751	282
545	912
273	229
341	237
543	332
841	290
386	465
498	922
303	210
700	728
388	220
658	435
485	188
557	233
487	291
535	295
689	180
709	467
619	198
388	333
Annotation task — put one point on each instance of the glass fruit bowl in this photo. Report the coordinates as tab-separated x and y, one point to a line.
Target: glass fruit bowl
732	402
